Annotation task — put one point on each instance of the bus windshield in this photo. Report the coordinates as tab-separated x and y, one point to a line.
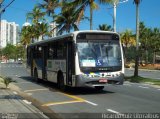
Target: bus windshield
99	53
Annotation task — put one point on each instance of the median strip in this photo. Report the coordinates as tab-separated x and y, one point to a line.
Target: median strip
143	80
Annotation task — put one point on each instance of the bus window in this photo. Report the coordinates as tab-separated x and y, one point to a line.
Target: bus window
37	52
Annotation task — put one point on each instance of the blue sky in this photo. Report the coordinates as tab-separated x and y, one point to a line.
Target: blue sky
149	14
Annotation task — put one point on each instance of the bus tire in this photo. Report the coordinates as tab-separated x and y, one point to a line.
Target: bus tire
61	84
36	76
99	88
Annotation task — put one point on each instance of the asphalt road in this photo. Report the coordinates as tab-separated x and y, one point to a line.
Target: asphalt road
87	102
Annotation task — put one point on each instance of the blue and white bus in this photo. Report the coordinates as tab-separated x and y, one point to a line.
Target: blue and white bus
78	59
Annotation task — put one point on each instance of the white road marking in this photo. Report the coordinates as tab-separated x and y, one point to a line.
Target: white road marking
27	102
18	76
113	111
43	89
126	84
143	87
91	103
24	82
29	93
158	89
15	92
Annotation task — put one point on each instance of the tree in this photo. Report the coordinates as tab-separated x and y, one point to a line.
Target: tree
36	15
66	20
137	2
155	42
105	27
20	51
145	36
127	39
49	6
43	29
37	26
9	51
82	4
28	33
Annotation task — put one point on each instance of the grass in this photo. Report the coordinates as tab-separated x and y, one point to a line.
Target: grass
142	80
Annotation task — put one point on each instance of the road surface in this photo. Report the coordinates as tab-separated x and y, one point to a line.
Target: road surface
87	102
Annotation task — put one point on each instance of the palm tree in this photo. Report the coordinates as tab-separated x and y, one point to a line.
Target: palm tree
145	36
28	34
82	4
137	2
67	20
105	27
155	42
49	6
127	40
43	29
25	36
36	15
38	28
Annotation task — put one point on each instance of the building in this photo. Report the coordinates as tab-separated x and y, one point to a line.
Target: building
9	33
53	28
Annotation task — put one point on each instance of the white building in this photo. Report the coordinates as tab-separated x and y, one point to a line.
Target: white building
9	33
52	26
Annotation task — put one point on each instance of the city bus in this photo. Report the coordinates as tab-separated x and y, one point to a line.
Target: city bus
78	59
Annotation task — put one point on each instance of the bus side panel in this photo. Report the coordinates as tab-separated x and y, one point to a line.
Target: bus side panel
38	63
53	66
70	63
44	58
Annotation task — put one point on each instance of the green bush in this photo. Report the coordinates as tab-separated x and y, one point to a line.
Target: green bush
6	81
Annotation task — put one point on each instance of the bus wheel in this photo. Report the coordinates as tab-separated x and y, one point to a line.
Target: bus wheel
61	84
99	88
36	76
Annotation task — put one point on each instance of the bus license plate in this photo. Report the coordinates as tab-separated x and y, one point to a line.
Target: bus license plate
103	80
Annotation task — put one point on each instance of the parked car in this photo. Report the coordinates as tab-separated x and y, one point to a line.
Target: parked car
19	61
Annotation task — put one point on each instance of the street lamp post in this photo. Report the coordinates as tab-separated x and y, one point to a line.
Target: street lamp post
114	16
1	1
115	3
1	11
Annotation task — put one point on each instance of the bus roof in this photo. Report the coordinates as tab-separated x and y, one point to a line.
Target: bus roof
70	35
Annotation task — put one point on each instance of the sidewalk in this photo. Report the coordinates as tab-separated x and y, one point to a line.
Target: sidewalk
14	106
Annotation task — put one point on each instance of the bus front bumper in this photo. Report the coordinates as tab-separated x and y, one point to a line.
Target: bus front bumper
82	81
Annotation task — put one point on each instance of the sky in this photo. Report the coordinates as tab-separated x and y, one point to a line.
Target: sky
126	14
